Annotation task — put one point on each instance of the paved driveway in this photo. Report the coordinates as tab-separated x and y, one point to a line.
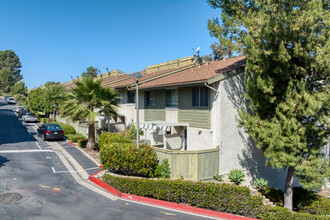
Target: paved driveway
35	184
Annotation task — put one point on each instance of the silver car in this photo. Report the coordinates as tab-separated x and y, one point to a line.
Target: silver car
11	100
30	117
18	108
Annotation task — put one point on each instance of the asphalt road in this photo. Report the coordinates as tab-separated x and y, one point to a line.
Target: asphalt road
29	189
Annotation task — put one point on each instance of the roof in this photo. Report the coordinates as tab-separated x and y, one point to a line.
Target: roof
179	75
129	81
197	74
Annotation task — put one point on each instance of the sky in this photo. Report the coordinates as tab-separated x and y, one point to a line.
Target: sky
58	39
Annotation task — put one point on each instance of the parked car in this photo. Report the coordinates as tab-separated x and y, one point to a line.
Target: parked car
11	100
29	117
6	98
50	132
18	108
22	112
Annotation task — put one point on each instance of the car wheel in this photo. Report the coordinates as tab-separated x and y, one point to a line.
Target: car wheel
44	137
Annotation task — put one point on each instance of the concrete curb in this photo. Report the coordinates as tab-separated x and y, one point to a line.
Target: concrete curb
162	203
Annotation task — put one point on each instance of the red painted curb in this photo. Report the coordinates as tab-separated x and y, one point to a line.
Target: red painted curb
166	204
70	143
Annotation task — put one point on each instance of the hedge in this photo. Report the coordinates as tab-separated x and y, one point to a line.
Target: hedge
208	195
82	143
275	213
218	197
108	138
74	137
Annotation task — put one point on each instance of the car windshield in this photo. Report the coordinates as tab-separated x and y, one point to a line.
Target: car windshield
53	127
30	114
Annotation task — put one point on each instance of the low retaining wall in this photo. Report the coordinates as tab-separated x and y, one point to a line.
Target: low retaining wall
192	165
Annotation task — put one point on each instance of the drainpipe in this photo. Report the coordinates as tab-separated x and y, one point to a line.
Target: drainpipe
210	87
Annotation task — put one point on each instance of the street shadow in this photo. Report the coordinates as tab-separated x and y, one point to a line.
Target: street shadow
3	160
12	130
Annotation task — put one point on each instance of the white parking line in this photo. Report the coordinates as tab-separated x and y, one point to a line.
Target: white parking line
23	151
38	145
75	171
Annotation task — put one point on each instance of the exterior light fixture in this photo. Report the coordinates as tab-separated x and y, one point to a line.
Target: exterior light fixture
136	76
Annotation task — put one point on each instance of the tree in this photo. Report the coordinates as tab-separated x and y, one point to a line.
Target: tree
287	81
87	100
54	93
91	72
36	99
19	92
19	88
5	80
8	59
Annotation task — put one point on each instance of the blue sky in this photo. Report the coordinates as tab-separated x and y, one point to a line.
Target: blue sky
57	39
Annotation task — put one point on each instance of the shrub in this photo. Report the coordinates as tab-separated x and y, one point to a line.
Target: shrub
274	195
68	129
319	205
275	213
236	176
210	195
46	120
261	184
82	143
218	177
108	138
75	137
131	132
127	159
163	169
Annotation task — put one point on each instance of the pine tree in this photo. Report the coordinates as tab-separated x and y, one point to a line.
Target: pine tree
9	60
287	81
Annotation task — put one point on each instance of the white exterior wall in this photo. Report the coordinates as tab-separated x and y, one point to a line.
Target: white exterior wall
237	150
199	138
171	115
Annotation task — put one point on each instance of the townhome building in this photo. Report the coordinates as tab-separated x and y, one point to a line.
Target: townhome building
189	114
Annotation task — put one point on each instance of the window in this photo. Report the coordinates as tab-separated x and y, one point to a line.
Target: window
172	98
130	97
200	96
150	99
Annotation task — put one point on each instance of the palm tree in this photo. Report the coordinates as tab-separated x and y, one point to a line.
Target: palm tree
87	100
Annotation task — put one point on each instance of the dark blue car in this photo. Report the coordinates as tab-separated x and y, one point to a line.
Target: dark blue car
50	132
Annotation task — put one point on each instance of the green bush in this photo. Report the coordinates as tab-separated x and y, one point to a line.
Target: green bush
261	184
131	132
209	195
108	138
68	129
74	137
126	158
218	177
318	205
163	169
275	213
82	143
46	120
236	176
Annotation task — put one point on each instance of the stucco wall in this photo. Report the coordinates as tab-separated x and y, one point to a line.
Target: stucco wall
199	138
171	115
237	150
